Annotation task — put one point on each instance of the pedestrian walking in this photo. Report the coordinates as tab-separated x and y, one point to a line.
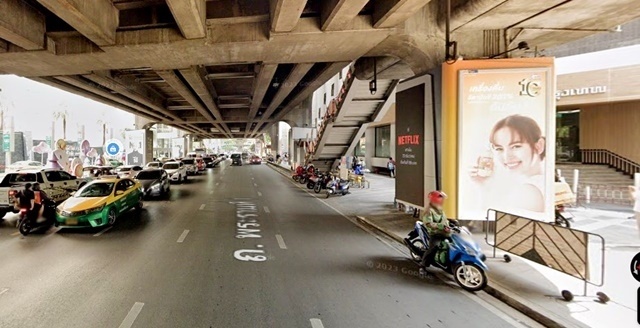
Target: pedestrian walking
391	165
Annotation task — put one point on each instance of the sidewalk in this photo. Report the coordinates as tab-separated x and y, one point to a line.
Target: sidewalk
527	286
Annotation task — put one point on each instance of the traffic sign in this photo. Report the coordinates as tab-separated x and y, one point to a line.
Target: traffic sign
635	267
6	142
113	147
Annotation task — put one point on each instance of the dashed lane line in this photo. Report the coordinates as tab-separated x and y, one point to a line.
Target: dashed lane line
316	323
103	231
259	194
183	236
281	242
3	290
132	315
266	210
202	206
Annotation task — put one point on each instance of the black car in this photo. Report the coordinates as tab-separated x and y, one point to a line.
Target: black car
236	159
155	182
208	162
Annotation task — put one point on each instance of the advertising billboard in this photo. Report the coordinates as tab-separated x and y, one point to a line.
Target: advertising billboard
134	147
505	142
409	156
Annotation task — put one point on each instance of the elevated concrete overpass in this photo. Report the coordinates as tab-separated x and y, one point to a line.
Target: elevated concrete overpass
231	68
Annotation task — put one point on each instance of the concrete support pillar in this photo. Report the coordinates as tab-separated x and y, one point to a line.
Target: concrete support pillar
275	140
148	145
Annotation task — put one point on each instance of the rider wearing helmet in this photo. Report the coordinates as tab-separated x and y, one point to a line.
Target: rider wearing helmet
436	223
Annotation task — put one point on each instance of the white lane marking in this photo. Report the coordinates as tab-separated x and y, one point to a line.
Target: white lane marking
281	242
316	323
266	209
255	184
253	178
132	315
103	231
211	192
202	206
183	236
259	194
217	183
4	290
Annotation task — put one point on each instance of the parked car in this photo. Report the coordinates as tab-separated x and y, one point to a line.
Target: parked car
100	203
155	182
23	165
154	165
245	158
58	185
128	171
255	160
190	166
236	159
176	170
208	162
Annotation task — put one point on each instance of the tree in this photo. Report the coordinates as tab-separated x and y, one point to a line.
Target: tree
62	114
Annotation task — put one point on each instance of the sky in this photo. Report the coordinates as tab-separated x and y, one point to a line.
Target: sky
33	105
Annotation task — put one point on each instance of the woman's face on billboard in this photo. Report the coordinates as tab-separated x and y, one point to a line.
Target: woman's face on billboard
515	154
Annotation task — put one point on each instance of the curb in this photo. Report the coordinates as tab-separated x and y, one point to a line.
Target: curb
500	295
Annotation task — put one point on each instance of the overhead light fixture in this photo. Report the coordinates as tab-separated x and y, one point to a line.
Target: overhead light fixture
522	45
275	83
230	75
615	29
373	84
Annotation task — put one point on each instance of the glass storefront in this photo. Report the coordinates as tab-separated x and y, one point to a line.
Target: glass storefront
568	136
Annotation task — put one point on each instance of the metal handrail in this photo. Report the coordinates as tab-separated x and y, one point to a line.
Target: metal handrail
607	157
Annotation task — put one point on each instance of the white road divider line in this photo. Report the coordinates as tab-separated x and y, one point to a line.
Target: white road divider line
281	242
132	315
316	323
266	209
217	183
259	194
3	290
255	184
103	231
183	236
202	206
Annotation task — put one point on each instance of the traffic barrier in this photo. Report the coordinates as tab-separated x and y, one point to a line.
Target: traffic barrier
563	249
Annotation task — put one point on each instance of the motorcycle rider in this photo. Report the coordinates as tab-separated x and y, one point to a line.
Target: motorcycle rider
26	198
40	199
437	225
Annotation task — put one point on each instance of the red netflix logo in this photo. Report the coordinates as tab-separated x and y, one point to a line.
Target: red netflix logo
409	140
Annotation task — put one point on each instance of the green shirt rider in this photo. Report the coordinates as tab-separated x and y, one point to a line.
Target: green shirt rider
437	225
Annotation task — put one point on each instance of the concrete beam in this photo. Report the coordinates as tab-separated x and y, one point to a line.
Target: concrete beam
260	87
195	77
296	75
337	14
129	92
190	16
22	24
96	19
174	81
390	13
285	14
329	72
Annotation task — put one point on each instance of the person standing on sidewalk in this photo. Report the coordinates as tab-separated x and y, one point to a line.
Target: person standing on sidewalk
636	205
391	165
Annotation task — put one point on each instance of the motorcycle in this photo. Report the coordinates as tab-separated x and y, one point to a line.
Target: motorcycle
462	258
322	182
337	186
26	226
312	181
298	173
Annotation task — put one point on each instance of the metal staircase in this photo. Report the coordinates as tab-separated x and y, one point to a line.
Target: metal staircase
347	118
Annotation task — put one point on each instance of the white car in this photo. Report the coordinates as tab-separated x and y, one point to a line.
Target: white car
153	165
23	165
176	170
128	171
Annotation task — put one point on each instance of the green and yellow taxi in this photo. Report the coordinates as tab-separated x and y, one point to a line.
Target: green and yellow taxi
100	203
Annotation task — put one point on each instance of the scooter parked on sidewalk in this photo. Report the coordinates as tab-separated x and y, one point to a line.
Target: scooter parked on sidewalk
26	226
462	258
562	217
337	187
322	182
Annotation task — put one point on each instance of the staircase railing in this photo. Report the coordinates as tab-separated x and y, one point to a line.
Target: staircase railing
332	110
607	157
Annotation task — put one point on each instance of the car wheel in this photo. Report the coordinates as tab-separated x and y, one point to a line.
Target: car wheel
186	177
112	216
180	179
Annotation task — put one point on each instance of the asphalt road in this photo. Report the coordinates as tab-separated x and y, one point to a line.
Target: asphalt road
173	265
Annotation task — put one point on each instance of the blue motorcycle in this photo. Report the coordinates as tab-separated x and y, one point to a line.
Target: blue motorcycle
337	187
462	257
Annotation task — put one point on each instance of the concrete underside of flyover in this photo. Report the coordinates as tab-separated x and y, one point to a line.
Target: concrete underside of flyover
231	68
